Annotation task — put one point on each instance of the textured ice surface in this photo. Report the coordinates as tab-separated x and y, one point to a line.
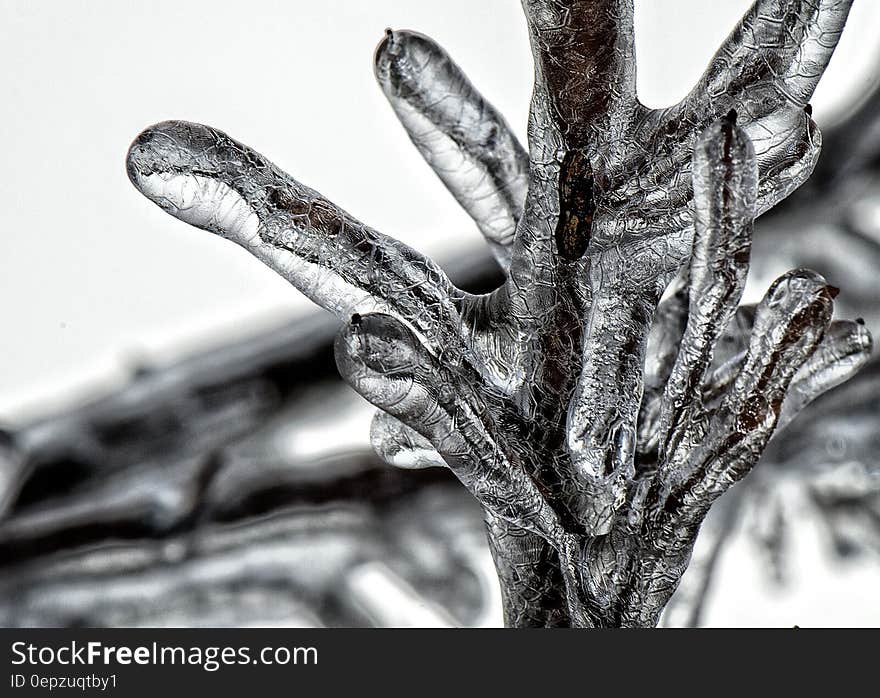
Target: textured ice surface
595	463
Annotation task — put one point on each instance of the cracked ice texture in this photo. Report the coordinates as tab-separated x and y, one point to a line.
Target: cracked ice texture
594	427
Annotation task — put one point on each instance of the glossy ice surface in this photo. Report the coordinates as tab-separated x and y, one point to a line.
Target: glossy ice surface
594	423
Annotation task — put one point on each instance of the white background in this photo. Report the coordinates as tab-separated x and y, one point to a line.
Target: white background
94	277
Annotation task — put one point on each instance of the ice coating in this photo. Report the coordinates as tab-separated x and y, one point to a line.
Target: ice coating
402	446
594	429
462	137
202	176
386	363
725	188
844	349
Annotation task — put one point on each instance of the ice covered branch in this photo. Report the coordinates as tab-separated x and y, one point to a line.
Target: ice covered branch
594	461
